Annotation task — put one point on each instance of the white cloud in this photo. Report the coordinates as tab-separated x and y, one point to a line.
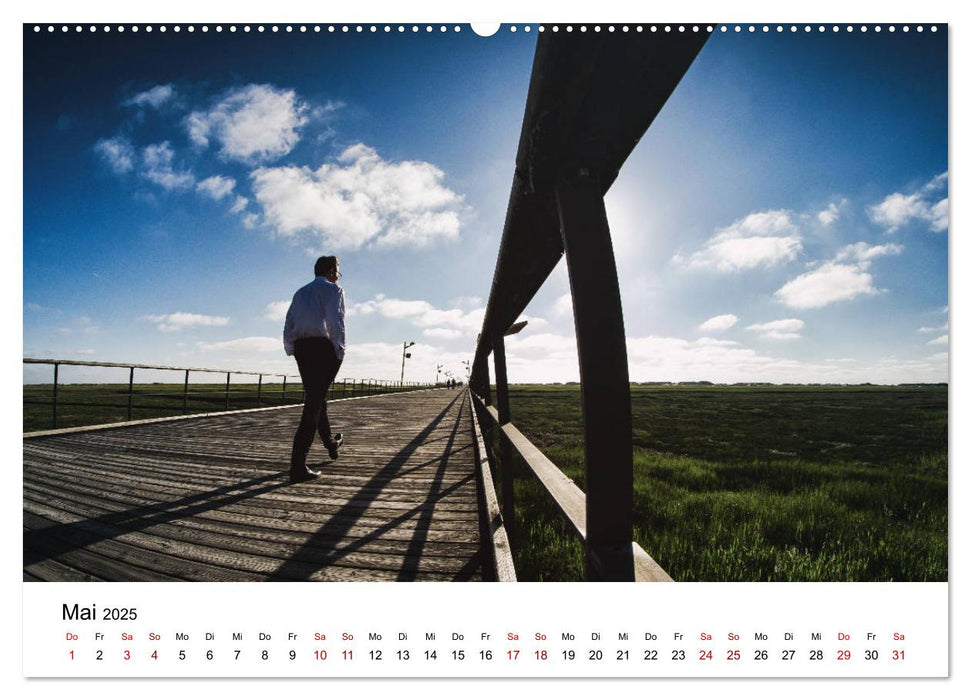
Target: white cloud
423	314
258	344
467	302
831	282
719	323
563	306
181	320
829	215
941	340
783	329
157	159
255	123
217	187
898	209
117	152
761	239
155	97
276	310
443	333
843	278
863	253
553	358
932	329
239	204
360	200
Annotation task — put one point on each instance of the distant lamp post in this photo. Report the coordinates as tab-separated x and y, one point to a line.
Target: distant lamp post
467	368
404	356
438	369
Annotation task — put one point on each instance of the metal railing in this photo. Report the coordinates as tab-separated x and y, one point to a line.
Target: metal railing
591	98
167	401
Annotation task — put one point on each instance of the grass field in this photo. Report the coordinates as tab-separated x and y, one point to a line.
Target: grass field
94	404
795	483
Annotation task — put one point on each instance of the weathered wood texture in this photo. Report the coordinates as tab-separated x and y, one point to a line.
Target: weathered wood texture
209	499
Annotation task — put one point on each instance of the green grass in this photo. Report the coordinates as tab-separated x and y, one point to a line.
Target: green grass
757	483
95	404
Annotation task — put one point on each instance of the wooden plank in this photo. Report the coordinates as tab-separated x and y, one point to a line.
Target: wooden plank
322	493
209	498
379	538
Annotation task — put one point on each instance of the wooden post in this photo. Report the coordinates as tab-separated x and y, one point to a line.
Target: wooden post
259	391
227	391
604	379
131	389
185	394
505	449
283	399
54	417
481	375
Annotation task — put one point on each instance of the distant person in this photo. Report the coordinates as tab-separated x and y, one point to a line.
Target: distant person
314	334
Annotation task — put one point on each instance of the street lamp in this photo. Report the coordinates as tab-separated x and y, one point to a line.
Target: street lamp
437	370
404	355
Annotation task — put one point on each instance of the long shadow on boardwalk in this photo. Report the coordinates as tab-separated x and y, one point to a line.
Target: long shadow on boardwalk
319	552
49	542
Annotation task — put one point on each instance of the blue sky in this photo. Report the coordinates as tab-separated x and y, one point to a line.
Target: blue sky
784	219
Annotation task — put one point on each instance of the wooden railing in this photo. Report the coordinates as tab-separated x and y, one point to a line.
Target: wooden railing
263	395
591	98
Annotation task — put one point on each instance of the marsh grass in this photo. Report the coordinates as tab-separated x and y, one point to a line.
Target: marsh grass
757	484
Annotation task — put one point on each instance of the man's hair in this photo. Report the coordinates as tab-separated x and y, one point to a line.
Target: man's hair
325	264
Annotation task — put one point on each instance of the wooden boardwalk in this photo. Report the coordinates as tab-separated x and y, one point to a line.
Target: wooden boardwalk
208	498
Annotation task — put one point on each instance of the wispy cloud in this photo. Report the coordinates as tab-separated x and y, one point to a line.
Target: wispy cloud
829	215
783	329
258	344
443	333
761	239
154	97
276	310
180	320
421	313
719	323
158	160
217	187
117	152
360	200
925	205
252	124
941	340
863	253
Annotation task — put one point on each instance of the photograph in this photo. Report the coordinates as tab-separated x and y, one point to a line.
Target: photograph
485	303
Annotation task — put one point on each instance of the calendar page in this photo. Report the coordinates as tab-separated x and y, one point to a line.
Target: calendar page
583	345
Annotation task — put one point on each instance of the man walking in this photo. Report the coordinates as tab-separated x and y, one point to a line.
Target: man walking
314	334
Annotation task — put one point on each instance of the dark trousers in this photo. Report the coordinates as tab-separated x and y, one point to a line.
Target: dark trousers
318	365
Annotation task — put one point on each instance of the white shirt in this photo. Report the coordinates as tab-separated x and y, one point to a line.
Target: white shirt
317	311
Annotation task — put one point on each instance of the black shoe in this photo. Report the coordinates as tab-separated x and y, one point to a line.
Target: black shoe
336	442
296	476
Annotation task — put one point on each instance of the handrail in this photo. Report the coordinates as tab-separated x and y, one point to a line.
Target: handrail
493	531
346	386
568	497
591	98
